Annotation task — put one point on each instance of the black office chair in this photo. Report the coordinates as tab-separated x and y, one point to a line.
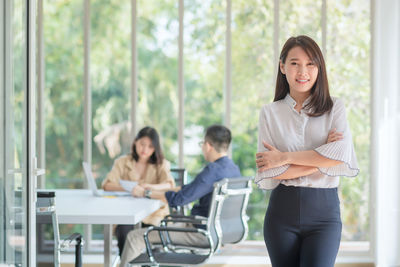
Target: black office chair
226	223
180	178
179	175
48	244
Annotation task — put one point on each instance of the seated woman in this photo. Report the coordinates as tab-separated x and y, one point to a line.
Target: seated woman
146	166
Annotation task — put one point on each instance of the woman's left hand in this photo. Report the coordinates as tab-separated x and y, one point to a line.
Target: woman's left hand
334	136
270	159
138	191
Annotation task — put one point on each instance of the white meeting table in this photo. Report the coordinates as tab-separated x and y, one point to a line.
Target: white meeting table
79	206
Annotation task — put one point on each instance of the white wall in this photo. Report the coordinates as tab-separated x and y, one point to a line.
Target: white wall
385	154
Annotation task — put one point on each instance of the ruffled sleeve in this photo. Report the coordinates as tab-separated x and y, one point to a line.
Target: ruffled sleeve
264	179
342	150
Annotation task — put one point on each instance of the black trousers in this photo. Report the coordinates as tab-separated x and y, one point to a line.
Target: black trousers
302	226
121	231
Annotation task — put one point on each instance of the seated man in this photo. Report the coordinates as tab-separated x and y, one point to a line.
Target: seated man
215	147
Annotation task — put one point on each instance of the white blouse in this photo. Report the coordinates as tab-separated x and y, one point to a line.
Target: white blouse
286	129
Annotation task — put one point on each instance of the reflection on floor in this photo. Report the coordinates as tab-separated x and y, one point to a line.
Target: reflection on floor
247	254
238	265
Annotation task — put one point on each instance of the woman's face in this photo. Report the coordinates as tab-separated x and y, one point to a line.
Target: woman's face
144	148
301	73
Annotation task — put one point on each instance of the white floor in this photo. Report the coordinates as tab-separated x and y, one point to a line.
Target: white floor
246	253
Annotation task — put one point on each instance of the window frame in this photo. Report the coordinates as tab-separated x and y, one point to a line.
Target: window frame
366	254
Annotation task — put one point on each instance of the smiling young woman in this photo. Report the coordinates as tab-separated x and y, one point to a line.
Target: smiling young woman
304	145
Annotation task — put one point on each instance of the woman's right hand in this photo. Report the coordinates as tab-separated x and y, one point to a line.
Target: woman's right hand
138	191
334	136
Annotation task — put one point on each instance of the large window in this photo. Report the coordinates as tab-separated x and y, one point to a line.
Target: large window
348	64
157	63
110	83
204	55
345	37
253	72
63	40
300	17
63	90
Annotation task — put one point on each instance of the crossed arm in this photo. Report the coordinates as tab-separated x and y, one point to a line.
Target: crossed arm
301	163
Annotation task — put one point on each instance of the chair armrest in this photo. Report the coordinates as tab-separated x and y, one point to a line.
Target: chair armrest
179	216
173	229
74	239
164	235
196	219
184	220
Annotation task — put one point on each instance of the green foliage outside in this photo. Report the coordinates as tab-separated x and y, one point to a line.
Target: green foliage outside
253	75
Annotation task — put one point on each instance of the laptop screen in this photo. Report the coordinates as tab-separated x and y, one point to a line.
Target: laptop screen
89	178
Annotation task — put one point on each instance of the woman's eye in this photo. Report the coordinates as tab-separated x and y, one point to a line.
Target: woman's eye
293	63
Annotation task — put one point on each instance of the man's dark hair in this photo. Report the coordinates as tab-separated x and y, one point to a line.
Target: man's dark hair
219	137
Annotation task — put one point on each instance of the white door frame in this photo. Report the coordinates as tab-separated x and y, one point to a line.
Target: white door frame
2	115
31	130
29	171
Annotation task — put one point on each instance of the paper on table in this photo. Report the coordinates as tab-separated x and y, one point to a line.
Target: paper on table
127	185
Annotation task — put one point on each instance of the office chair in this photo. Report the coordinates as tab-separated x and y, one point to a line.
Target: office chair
48	243
180	178
226	223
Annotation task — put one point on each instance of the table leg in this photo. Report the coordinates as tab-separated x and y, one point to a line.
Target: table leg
107	245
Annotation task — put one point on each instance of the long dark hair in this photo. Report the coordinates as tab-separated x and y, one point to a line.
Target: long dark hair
321	101
157	157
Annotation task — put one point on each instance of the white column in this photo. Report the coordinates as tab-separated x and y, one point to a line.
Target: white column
41	135
276	37
228	65
87	112
87	124
181	87
385	152
31	182
134	90
323	26
228	69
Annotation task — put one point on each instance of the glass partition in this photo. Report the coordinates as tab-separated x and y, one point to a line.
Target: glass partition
13	133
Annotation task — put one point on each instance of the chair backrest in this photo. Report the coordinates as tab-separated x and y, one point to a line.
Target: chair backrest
227	221
179	175
47	232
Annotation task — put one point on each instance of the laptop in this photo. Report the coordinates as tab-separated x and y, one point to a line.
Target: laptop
87	169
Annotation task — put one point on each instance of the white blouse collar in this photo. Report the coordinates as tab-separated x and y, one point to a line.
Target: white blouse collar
291	102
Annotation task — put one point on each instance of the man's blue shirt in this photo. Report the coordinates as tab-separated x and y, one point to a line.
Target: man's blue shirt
202	186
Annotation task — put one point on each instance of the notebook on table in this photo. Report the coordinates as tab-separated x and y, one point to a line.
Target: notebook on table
87	169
